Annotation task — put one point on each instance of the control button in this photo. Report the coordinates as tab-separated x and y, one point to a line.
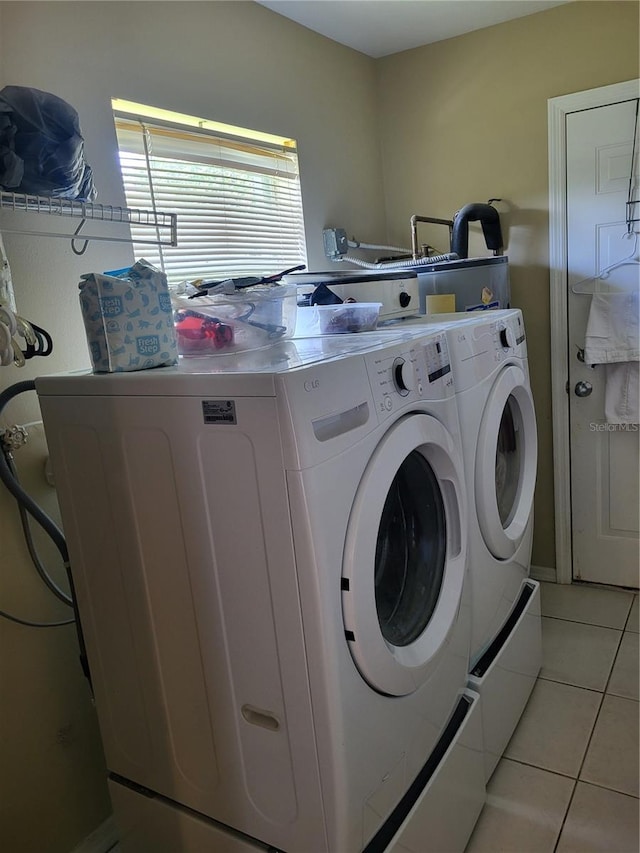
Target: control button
403	376
388	403
507	338
405	299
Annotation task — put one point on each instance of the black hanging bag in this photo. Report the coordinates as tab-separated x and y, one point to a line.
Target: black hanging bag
41	146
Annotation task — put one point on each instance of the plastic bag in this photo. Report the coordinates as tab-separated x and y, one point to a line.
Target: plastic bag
41	146
128	319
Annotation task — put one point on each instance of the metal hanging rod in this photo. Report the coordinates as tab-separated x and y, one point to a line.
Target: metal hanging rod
90	211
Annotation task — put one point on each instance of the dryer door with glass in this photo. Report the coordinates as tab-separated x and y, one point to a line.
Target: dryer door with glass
405	555
506	460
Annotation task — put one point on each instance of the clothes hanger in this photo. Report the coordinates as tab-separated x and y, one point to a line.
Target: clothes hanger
631	260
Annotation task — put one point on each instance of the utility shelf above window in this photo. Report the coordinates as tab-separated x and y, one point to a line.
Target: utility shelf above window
163	227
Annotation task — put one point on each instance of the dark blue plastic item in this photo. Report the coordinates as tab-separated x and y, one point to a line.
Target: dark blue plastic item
41	146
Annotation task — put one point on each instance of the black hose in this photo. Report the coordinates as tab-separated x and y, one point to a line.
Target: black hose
35	557
16	489
48	525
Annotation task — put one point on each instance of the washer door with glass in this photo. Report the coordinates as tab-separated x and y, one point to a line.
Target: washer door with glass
506	460
405	556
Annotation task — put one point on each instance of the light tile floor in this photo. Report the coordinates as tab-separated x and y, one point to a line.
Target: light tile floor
568	780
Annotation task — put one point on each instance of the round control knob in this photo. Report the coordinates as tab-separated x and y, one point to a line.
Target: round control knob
404	298
403	376
507	338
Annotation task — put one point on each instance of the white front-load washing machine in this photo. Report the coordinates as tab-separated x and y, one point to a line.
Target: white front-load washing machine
269	552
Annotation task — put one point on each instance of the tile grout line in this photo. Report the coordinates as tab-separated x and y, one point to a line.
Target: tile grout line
543	769
633	600
590	738
566	815
590	624
602	787
571	684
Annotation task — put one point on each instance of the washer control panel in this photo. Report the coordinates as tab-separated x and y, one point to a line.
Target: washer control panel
420	371
437	357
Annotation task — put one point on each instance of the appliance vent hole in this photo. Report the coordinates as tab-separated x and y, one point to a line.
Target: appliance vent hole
264	719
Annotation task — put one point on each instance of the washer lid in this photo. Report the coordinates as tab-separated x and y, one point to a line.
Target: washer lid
506	460
404	561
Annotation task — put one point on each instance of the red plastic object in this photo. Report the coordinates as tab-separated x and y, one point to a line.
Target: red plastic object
199	334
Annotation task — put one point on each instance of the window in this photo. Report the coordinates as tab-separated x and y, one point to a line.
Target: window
236	193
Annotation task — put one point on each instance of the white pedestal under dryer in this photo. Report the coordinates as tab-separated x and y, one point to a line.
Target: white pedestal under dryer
270	558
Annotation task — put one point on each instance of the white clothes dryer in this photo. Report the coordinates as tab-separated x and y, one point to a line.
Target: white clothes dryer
499	438
270	559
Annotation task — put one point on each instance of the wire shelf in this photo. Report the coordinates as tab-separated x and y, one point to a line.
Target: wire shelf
68	208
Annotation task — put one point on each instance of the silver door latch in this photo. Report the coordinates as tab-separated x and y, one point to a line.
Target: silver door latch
583	389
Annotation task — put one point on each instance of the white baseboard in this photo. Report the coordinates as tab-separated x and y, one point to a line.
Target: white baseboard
101	840
543	573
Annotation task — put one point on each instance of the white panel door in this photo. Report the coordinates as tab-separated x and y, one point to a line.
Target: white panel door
604	456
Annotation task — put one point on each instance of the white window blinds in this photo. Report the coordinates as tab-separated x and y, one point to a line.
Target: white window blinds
237	199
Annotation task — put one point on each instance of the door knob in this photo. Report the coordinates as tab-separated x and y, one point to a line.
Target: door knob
583	389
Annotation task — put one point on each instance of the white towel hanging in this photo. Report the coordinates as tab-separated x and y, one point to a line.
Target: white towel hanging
612	333
621	393
613	339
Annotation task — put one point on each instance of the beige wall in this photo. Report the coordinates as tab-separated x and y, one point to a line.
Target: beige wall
234	62
465	120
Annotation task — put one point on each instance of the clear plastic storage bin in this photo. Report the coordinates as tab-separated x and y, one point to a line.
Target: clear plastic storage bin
251	318
348	317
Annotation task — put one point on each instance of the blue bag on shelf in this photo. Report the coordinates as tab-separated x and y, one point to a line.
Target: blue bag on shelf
128	319
41	146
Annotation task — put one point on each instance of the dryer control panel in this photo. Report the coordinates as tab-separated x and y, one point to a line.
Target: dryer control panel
420	371
508	334
480	345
